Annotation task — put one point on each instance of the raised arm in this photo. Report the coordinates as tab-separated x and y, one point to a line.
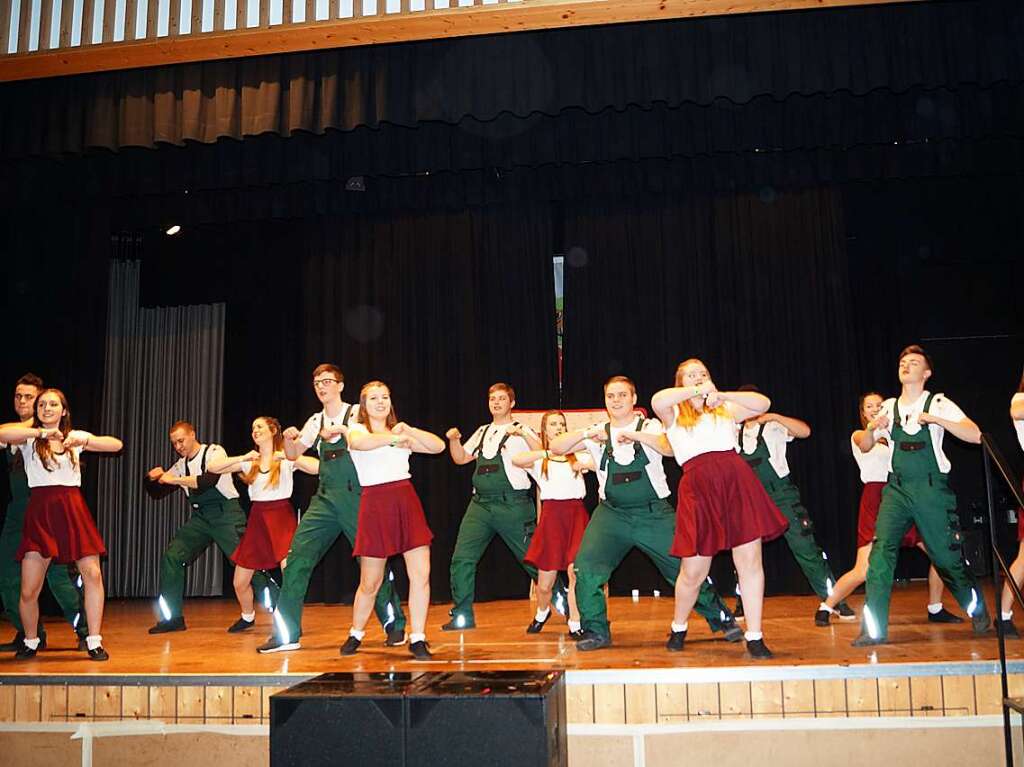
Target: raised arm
865	438
229	463
18	433
293	446
567	443
531	439
455	448
796	428
1017	407
527	458
307	464
93	443
655	440
420	441
964	428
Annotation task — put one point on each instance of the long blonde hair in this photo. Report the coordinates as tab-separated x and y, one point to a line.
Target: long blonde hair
573	463
688	414
275	463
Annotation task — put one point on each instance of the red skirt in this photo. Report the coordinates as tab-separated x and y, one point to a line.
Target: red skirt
722	505
59	526
870	500
557	537
267	536
391	521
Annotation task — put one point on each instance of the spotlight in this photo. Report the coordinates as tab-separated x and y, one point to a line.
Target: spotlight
172	230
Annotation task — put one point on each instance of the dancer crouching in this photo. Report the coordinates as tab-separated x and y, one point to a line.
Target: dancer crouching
391	519
721	505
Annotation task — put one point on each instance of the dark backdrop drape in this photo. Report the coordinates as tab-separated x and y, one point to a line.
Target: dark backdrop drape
792	197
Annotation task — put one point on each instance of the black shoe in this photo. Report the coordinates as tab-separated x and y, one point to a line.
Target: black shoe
592	641
866	640
351	646
396	638
757	650
737	612
822	618
676	640
241	625
459	623
273	644
944	616
733	633
536	625
846	612
420	651
81	634
981	624
576	635
163	627
14	644
25	652
98	653
1009	630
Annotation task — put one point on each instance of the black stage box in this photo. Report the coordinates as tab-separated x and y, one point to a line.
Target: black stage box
336	719
513	718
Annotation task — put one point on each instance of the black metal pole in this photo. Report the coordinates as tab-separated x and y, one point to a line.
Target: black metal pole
997	572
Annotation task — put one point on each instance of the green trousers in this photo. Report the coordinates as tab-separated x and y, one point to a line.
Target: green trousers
329	515
800	536
221	523
511	516
67	596
611	534
930	504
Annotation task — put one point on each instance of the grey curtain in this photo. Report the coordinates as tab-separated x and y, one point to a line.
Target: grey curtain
162	365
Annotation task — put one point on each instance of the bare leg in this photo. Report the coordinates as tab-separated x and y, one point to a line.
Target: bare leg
849	581
545	587
33	571
92	585
574	610
691	577
371	575
1016	570
935	586
750	571
243	589
417	566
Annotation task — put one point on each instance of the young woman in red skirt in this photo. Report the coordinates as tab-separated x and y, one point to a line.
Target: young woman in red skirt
721	504
391	519
1017	566
272	520
874	473
563	517
58	524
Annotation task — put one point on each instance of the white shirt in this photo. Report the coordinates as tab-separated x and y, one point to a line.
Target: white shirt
624	454
380	465
874	464
64	474
941	407
311	429
711	434
259	490
1019	425
561	483
517	477
775	436
195	467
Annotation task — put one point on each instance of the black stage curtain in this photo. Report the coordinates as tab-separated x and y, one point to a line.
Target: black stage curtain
696	61
438	305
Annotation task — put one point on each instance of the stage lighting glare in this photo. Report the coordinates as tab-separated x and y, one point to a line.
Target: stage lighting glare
172	230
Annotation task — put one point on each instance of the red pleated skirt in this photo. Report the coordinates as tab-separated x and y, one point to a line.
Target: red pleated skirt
722	505
557	537
59	526
391	521
870	500
267	536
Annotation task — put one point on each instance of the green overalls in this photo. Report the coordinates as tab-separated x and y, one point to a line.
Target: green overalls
631	514
917	493
67	596
496	508
800	534
333	511
215	519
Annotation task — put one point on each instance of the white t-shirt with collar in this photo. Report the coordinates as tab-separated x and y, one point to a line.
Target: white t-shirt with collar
712	433
311	429
517	477
775	435
380	465
941	406
225	486
874	464
561	483
624	453
1019	425
259	489
65	472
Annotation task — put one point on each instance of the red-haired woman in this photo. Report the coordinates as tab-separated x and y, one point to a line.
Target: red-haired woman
721	504
874	473
58	524
391	519
272	521
563	517
1017	566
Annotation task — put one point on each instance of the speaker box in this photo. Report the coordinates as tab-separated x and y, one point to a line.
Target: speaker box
494	718
335	719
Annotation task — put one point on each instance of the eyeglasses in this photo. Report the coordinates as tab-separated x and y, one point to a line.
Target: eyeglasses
321	382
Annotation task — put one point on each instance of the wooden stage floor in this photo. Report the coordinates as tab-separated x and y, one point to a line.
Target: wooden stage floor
499	642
